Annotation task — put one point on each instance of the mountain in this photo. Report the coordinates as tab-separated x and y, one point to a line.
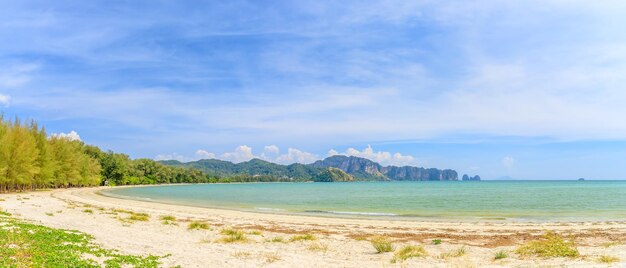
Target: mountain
365	169
469	178
334	168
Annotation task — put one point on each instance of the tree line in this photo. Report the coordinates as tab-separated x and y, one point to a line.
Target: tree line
30	159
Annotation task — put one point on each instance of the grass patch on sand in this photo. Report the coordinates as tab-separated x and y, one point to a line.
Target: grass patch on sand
382	244
549	245
232	236
198	225
276	239
88	211
500	255
30	245
607	259
317	246
408	252
255	232
436	241
454	254
303	237
168	220
139	217
271	257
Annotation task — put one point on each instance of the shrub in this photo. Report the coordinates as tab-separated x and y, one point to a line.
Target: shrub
500	255
381	244
139	217
233	235
197	225
607	259
436	241
304	237
88	211
408	252
549	245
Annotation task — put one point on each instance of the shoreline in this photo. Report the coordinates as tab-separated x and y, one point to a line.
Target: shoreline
385	216
345	239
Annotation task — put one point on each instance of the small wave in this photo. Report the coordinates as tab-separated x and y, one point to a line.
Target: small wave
270	209
352	213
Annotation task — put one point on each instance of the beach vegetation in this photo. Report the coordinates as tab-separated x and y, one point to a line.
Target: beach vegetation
408	252
255	232
436	241
549	245
454	253
139	217
233	236
88	211
302	237
607	259
30	245
271	257
198	225
168	220
49	214
318	246
502	254
276	239
382	244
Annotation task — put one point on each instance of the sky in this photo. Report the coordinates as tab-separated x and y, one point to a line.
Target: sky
502	89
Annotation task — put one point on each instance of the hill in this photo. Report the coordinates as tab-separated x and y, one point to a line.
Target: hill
359	169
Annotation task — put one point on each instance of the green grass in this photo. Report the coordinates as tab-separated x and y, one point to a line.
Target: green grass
500	255
303	237
549	245
408	252
233	236
168	220
255	232
139	217
381	244
276	239
4	213
607	259
30	245
88	211
198	225
436	241
454	254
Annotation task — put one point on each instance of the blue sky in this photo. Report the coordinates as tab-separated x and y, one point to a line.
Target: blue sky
526	89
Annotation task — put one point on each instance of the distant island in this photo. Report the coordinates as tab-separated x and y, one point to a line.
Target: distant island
333	168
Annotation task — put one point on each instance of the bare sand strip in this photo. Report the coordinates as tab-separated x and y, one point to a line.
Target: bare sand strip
340	241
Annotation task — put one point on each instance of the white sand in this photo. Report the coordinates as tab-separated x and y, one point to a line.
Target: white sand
340	236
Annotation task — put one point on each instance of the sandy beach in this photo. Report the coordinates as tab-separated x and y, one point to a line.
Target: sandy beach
339	242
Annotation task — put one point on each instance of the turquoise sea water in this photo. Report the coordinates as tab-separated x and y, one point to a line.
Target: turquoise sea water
498	200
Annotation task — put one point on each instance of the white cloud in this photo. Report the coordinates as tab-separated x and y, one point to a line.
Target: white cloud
381	157
73	136
173	156
508	161
204	154
271	149
17	74
4	100
296	156
332	152
241	154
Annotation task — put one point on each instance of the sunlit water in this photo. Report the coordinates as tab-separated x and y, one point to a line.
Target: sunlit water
495	200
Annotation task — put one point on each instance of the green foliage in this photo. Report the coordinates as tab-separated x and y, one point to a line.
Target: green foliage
233	236
501	255
550	245
408	252
303	237
197	225
607	259
333	175
29	245
381	244
30	160
436	241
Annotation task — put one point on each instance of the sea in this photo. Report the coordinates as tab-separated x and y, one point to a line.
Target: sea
528	200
